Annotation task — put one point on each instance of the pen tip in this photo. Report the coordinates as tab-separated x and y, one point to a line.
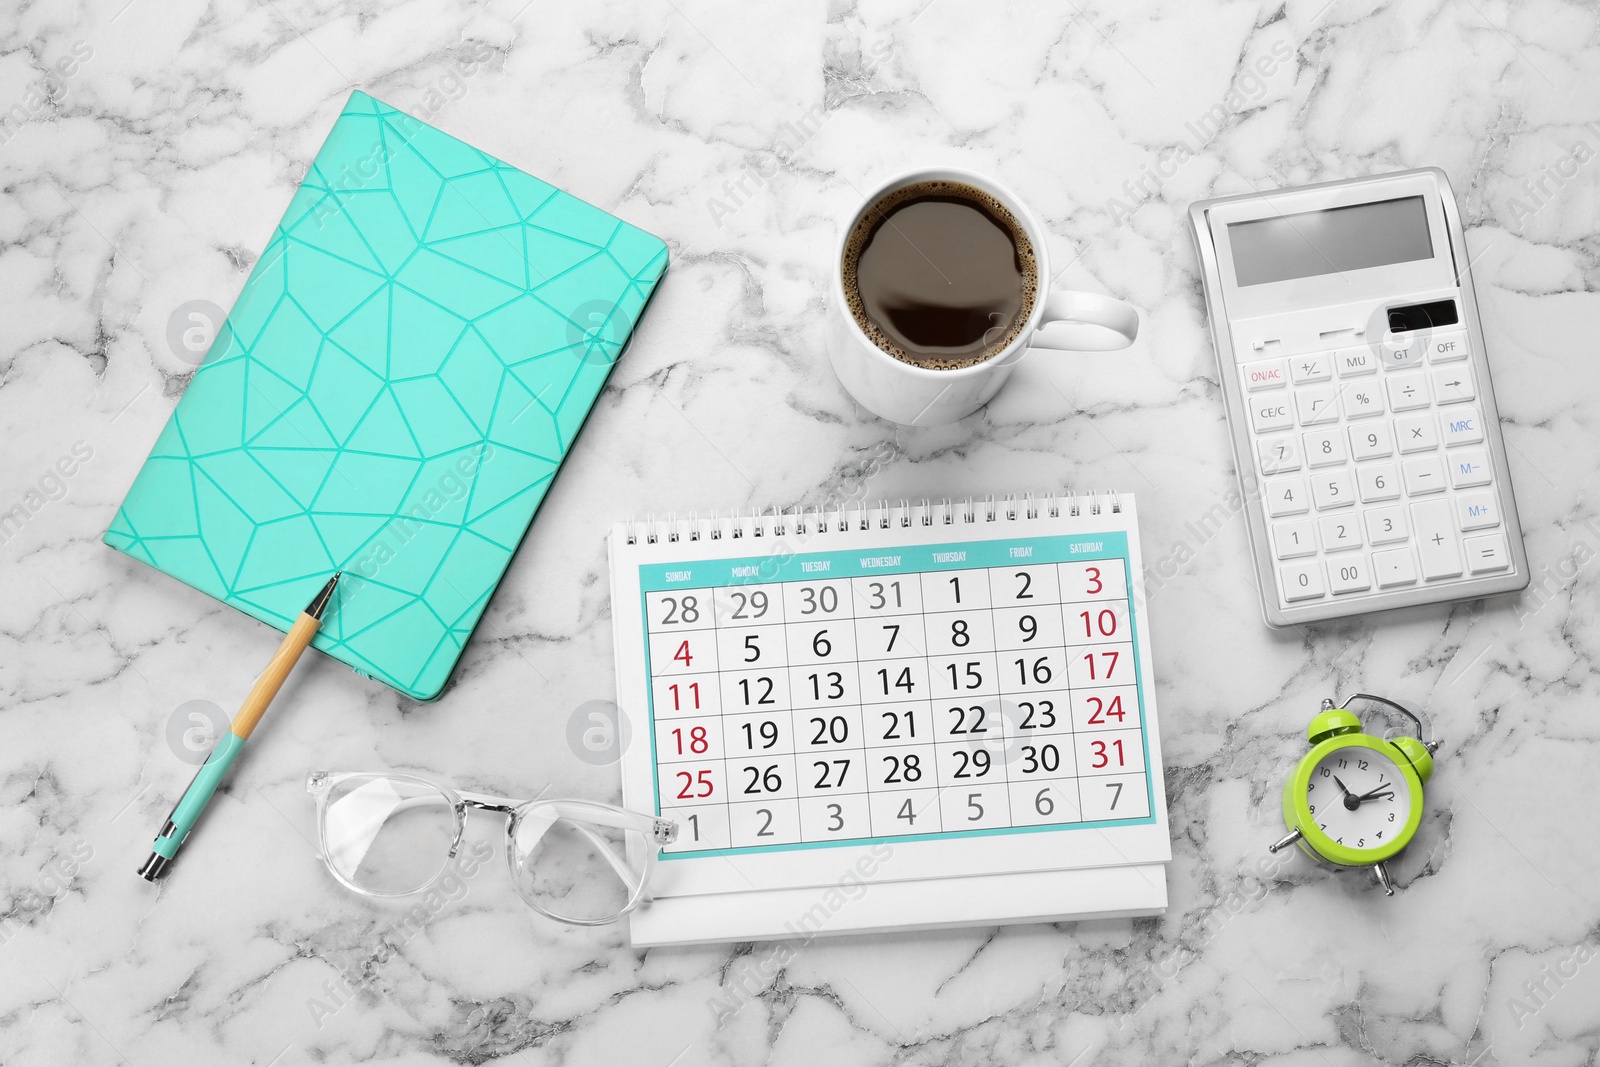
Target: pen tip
319	603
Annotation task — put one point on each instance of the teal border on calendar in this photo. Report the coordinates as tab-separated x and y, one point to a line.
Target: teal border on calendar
901	560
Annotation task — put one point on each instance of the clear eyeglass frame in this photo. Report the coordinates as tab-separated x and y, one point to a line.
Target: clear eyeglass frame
585	816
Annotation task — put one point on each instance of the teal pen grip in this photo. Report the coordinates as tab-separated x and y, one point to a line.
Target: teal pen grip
194	800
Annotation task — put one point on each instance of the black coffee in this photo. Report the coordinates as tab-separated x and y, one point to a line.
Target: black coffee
940	274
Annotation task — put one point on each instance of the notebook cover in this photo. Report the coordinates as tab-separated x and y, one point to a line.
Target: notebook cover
392	394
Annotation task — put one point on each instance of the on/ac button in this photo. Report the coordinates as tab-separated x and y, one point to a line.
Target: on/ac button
1268	374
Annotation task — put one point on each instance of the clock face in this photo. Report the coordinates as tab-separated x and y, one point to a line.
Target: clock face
1359	798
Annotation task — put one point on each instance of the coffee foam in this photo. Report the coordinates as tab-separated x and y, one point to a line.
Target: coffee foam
867	225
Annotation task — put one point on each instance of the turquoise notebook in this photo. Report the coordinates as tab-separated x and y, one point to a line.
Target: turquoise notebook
392	395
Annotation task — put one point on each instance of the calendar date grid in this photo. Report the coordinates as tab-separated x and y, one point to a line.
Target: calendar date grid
801	712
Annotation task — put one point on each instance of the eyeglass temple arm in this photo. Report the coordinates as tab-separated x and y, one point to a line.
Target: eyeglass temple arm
662	831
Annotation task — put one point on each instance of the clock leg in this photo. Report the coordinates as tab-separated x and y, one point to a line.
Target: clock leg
1284	842
1383	878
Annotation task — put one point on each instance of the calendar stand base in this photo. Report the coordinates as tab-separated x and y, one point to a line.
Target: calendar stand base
873	907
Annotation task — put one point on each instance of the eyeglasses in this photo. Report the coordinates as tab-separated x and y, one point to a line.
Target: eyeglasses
392	835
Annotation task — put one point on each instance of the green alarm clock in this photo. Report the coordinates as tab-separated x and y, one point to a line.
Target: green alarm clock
1355	800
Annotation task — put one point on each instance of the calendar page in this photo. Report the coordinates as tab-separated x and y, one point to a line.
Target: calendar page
971	690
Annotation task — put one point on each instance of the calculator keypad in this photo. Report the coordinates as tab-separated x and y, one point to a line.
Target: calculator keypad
1375	477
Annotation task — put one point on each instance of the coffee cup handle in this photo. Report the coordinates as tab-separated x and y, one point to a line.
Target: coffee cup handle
1085	322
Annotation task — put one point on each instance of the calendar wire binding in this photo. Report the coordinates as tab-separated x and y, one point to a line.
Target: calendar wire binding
738	523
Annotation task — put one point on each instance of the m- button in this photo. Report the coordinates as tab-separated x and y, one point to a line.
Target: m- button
1469	467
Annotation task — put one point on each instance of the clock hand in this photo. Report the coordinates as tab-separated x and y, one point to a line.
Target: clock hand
1340	784
1351	802
1381	791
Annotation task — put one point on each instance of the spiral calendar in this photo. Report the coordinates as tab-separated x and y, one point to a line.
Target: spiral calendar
910	715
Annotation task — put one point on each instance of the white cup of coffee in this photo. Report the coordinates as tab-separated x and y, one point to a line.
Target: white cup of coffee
940	286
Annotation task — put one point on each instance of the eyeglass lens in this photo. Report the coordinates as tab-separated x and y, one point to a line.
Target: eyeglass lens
388	836
571	868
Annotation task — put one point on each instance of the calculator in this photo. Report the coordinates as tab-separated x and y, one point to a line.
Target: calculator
1356	383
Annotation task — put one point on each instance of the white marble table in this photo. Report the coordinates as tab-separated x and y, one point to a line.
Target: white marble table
148	176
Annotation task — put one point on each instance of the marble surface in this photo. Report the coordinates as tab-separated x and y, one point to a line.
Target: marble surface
153	145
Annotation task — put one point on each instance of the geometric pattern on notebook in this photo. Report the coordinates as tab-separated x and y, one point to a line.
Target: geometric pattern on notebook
391	395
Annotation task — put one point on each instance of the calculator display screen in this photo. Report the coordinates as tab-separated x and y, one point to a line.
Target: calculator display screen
1303	245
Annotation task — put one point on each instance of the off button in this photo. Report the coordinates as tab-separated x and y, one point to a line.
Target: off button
1448	347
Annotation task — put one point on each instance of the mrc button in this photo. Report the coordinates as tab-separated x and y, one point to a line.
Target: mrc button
1461	426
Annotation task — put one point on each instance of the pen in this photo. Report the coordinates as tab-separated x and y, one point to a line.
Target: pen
187	811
